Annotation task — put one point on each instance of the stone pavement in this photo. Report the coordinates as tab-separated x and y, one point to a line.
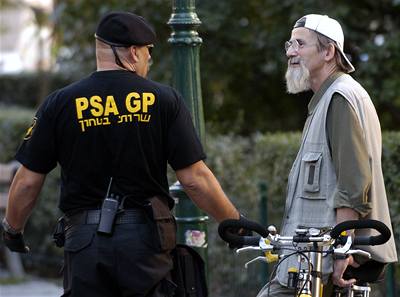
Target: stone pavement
31	288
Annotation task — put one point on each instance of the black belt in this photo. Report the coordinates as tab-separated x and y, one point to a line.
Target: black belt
92	217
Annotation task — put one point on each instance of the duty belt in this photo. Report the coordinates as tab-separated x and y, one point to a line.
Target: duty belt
92	217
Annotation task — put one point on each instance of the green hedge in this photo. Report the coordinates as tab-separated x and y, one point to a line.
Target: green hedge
29	89
14	122
45	257
240	164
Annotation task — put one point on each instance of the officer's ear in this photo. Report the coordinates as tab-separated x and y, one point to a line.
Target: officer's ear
134	53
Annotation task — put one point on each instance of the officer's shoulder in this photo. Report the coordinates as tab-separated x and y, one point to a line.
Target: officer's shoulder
56	99
72	87
164	90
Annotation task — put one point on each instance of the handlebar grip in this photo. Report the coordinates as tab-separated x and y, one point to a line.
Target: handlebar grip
251	240
383	237
225	228
363	240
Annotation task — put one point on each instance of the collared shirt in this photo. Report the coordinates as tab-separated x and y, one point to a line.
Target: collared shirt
348	151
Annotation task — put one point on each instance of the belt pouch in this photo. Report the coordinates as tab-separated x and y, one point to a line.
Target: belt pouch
59	233
165	222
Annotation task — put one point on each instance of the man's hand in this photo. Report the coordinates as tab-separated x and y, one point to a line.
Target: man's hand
15	242
240	232
339	266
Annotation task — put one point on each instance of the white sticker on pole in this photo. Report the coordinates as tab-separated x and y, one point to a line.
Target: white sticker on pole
195	238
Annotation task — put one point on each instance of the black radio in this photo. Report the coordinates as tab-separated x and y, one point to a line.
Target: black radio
108	212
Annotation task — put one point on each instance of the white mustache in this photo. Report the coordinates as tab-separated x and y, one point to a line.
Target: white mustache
295	60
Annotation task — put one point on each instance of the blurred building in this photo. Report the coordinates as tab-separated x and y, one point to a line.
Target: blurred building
25	35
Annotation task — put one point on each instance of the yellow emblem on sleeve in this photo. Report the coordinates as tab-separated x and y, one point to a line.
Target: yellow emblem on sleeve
29	132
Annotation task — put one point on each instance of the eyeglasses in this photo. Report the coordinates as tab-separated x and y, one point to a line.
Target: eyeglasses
150	48
296	45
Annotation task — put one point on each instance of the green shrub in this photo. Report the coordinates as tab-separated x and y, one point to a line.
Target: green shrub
29	89
14	122
240	164
391	172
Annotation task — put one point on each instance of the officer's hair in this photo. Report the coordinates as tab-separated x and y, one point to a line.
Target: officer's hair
105	49
123	52
323	43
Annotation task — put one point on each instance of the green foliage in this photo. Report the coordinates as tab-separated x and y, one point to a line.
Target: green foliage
29	89
14	122
240	164
242	57
44	256
391	172
76	23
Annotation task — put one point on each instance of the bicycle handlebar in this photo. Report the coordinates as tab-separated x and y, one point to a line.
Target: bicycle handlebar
226	231
383	237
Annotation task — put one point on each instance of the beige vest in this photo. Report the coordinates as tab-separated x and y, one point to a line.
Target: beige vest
312	179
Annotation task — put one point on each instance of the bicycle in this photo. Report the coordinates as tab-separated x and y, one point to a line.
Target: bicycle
309	244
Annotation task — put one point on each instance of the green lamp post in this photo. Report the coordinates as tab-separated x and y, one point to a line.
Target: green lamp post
185	41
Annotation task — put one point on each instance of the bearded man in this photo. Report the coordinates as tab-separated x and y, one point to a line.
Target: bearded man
337	174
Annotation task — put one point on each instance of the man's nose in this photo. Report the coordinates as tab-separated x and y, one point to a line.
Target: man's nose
291	52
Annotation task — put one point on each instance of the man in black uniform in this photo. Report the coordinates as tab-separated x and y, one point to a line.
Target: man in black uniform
113	133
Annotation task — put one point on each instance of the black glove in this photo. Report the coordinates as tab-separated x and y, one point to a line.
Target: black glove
15	242
240	232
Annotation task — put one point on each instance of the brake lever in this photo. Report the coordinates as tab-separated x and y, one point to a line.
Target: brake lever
262	246
259	258
248	248
359	252
344	249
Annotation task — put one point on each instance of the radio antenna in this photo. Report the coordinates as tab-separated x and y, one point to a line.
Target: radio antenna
109	186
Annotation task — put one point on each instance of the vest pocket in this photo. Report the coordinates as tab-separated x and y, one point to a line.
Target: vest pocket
312	166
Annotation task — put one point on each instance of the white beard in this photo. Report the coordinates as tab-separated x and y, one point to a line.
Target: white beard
297	79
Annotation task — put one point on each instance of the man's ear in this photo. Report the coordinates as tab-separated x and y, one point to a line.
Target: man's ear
133	51
330	52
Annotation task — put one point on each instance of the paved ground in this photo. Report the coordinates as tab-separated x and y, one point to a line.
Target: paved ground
31	288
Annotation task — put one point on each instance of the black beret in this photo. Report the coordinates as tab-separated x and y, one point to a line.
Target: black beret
124	29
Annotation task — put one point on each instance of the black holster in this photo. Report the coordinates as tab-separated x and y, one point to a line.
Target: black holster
59	233
158	210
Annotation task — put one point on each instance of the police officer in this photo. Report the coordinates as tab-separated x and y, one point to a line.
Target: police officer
113	133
